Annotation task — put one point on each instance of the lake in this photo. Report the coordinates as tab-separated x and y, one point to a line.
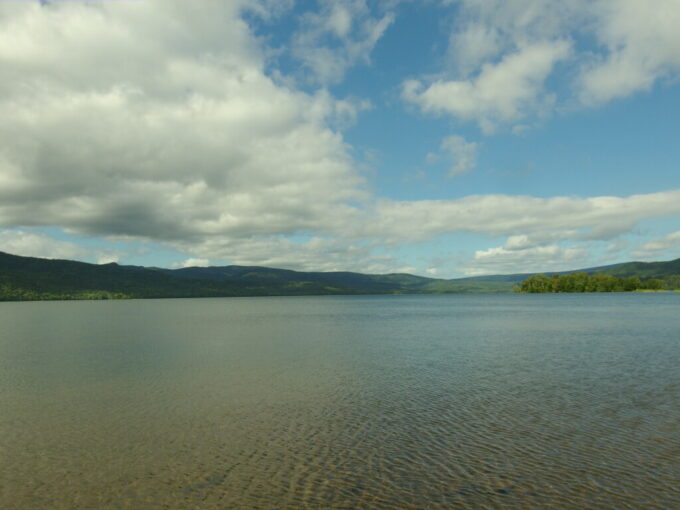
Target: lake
442	401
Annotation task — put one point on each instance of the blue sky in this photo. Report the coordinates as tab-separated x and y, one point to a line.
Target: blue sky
445	138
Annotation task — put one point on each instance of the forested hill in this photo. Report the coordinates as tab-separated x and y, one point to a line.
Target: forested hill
629	276
28	278
595	282
660	270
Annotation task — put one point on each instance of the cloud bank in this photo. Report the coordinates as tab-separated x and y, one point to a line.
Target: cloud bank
156	121
138	119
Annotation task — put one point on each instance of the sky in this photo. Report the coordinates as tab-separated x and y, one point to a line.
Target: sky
444	138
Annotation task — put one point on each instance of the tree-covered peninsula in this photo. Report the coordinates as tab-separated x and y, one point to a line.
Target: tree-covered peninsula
596	282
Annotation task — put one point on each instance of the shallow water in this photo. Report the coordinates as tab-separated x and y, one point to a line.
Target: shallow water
459	401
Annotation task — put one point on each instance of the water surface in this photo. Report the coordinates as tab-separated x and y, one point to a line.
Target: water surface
458	401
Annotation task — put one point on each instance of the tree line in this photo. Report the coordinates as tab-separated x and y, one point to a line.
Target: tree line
9	293
595	282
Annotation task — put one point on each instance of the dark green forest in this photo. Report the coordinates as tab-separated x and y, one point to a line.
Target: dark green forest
33	279
595	282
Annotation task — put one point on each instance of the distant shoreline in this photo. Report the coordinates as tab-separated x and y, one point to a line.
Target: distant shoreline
36	279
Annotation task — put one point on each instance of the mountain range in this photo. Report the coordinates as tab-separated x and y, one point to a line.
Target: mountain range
29	278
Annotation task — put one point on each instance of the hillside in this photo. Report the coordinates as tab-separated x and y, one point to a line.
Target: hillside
660	270
519	277
29	278
364	283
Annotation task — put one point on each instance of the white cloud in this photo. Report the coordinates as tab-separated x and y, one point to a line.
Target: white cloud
313	254
529	225
30	244
541	258
533	227
193	262
473	45
462	153
643	46
501	54
179	136
338	37
654	248
537	240
505	215
519	20
499	57
27	244
107	258
500	93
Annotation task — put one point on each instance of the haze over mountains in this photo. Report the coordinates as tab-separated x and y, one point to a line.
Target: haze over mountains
28	278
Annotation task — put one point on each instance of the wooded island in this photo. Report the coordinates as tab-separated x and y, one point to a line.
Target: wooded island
595	282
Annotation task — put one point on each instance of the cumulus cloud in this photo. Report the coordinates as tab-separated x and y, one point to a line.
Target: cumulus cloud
500	93
341	35
178	136
643	46
181	136
501	54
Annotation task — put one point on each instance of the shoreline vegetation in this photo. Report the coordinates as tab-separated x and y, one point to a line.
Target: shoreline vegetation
8	293
36	279
595	282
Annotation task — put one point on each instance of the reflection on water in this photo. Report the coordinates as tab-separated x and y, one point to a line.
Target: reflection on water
507	401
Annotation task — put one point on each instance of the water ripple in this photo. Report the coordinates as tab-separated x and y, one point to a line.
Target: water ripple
344	403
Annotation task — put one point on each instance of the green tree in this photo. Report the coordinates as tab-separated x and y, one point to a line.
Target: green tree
631	283
672	282
652	284
536	284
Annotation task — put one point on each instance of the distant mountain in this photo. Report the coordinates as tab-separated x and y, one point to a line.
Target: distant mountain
29	278
643	270
660	270
34	278
359	282
519	277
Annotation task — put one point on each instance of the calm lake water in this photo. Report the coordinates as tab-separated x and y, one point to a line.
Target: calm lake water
458	401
